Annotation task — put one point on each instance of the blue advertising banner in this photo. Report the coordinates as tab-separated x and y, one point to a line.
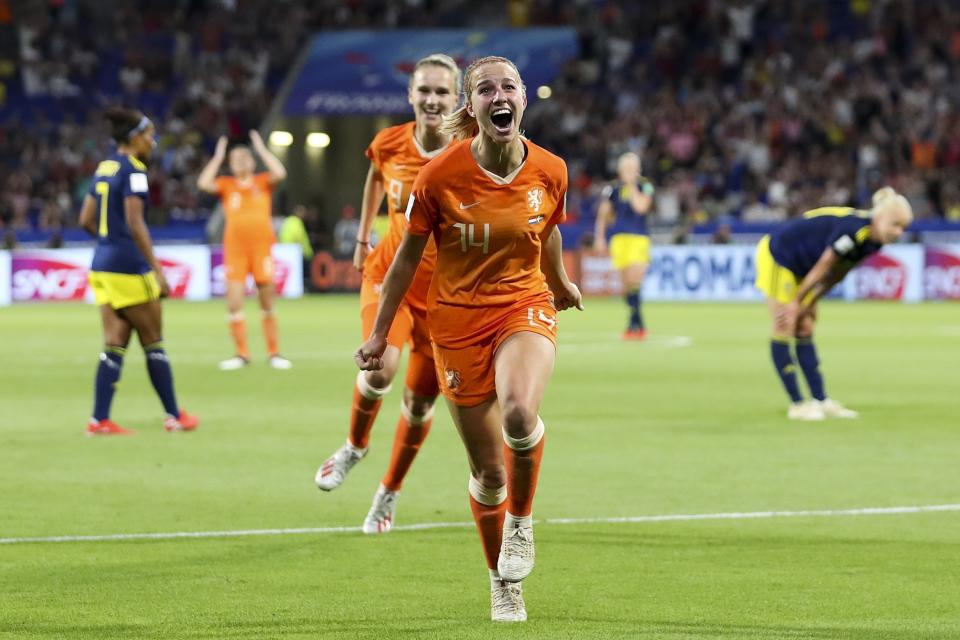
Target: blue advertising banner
366	72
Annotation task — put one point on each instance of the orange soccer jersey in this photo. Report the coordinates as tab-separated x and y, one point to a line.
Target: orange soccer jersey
398	156
488	283
248	234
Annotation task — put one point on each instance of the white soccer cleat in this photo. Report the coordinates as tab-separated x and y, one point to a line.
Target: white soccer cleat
506	601
382	512
234	363
279	362
833	409
331	473
807	411
516	549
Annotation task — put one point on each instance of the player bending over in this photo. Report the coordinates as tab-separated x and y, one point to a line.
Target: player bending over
801	261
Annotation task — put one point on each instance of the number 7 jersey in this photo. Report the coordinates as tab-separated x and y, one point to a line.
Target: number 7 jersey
488	232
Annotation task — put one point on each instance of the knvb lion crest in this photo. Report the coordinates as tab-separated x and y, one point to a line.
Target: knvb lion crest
453	379
535	199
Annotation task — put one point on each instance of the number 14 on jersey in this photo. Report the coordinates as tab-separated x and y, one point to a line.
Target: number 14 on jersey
467	239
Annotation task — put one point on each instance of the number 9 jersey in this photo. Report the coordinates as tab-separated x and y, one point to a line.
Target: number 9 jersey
117	178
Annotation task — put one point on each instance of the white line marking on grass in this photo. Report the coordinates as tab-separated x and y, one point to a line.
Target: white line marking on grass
424	526
668	342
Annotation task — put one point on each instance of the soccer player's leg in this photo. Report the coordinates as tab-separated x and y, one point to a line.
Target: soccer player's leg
368	392
480	429
237	265
810	365
263	275
523	364
116	336
630	254
146	319
416	418
779	286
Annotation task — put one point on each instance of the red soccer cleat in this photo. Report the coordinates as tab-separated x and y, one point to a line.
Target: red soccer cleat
635	334
185	422
105	428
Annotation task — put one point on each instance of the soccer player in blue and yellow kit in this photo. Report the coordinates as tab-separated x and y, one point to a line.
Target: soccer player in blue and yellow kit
800	262
126	278
624	205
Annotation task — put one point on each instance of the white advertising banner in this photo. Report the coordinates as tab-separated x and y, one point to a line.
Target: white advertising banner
187	270
51	274
5	296
682	272
727	272
287	277
941	274
896	273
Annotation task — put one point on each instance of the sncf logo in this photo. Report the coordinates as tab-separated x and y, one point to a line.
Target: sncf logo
941	278
535	199
881	277
43	279
177	275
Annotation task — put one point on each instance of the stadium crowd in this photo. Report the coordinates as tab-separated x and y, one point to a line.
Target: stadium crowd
742	109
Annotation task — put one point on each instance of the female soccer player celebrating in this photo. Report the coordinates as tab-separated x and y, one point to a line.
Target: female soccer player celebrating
797	264
396	155
125	276
625	205
492	203
247	239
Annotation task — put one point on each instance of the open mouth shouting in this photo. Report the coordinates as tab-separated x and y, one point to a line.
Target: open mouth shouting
502	120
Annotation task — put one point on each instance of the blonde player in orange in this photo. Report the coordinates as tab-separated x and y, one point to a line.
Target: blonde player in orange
396	156
247	239
492	202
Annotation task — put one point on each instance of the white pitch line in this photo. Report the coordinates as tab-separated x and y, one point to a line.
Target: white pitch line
424	526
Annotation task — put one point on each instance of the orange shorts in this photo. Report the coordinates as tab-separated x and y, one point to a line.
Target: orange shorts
243	258
409	327
466	373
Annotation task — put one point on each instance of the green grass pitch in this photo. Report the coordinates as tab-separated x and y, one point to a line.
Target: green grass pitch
689	422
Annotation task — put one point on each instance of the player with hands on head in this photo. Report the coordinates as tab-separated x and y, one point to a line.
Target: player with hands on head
248	239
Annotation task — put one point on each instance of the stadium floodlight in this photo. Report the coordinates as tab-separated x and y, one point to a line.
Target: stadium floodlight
281	138
544	92
318	140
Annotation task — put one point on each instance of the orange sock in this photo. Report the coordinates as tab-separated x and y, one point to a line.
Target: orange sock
366	405
238	329
270	333
411	432
489	518
522	457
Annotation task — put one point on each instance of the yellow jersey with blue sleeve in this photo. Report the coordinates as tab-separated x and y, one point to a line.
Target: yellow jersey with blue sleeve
786	256
120	275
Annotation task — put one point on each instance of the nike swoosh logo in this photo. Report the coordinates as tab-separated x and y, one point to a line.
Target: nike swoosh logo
468	206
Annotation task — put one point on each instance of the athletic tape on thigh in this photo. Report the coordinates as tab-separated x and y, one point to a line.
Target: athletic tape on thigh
412	419
529	442
485	495
368	392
